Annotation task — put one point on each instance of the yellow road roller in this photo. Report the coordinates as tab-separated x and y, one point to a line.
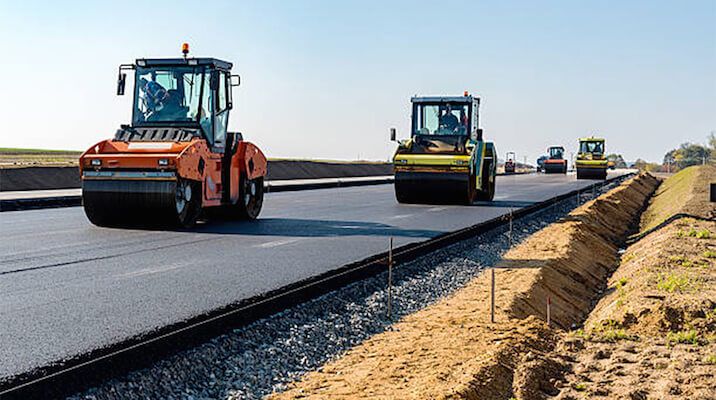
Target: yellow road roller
591	159
445	160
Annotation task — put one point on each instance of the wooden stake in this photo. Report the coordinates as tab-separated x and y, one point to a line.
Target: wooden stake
549	304
510	232
492	295
390	279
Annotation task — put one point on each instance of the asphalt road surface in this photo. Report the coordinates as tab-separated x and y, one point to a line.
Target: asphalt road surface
68	287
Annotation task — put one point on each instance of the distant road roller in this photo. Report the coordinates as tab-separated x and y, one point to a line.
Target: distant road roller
176	160
591	162
510	163
555	163
445	160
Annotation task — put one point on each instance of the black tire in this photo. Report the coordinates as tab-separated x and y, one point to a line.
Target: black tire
187	202
402	195
251	198
489	193
471	190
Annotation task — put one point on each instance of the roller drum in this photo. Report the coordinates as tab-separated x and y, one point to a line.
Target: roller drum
554	168
426	187
131	202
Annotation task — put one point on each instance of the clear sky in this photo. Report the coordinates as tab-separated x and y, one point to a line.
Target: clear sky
327	79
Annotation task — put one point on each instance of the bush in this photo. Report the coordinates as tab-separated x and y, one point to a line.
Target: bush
673	282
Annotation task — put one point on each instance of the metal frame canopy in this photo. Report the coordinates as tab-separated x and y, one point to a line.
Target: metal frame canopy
163	62
445	99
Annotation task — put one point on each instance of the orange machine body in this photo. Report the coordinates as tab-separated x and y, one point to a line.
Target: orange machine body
191	160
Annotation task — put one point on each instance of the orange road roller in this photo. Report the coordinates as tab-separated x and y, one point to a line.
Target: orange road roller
176	161
555	162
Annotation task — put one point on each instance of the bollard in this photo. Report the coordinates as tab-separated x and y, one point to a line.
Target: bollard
492	295
390	279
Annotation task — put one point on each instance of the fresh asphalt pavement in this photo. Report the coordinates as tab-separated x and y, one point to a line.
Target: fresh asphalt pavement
68	287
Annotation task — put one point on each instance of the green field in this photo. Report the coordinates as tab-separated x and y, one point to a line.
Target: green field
13	157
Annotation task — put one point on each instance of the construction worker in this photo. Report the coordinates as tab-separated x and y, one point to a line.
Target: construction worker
154	95
448	120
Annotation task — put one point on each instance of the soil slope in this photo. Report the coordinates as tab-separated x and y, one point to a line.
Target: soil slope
653	334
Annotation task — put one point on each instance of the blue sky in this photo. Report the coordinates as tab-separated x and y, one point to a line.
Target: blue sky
327	79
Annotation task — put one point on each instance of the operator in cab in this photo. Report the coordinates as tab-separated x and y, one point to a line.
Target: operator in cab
448	120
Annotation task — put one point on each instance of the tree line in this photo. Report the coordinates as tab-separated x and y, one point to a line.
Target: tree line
685	155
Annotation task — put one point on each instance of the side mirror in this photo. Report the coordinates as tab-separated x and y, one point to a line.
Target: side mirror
392	134
121	83
479	134
235	80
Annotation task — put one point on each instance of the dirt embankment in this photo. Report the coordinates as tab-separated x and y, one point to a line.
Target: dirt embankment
452	350
653	334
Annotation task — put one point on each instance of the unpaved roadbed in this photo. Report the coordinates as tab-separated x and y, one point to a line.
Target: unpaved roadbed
653	334
451	350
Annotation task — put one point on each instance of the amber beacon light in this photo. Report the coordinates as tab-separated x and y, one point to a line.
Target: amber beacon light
185	49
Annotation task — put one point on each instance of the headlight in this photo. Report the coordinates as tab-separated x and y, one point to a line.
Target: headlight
461	162
163	162
96	162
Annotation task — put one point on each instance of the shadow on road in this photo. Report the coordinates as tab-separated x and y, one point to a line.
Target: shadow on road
504	203
310	228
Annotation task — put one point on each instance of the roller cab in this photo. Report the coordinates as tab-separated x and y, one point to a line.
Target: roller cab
175	161
591	162
445	160
555	163
510	163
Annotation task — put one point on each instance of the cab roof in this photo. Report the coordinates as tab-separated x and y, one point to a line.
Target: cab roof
444	99
591	139
164	62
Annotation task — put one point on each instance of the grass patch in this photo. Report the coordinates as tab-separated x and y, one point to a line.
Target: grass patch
698	234
610	331
628	258
580	386
673	282
14	151
709	254
710	359
684	337
670	197
615	335
703	234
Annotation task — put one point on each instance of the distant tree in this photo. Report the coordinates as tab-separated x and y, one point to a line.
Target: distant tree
689	154
643	165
